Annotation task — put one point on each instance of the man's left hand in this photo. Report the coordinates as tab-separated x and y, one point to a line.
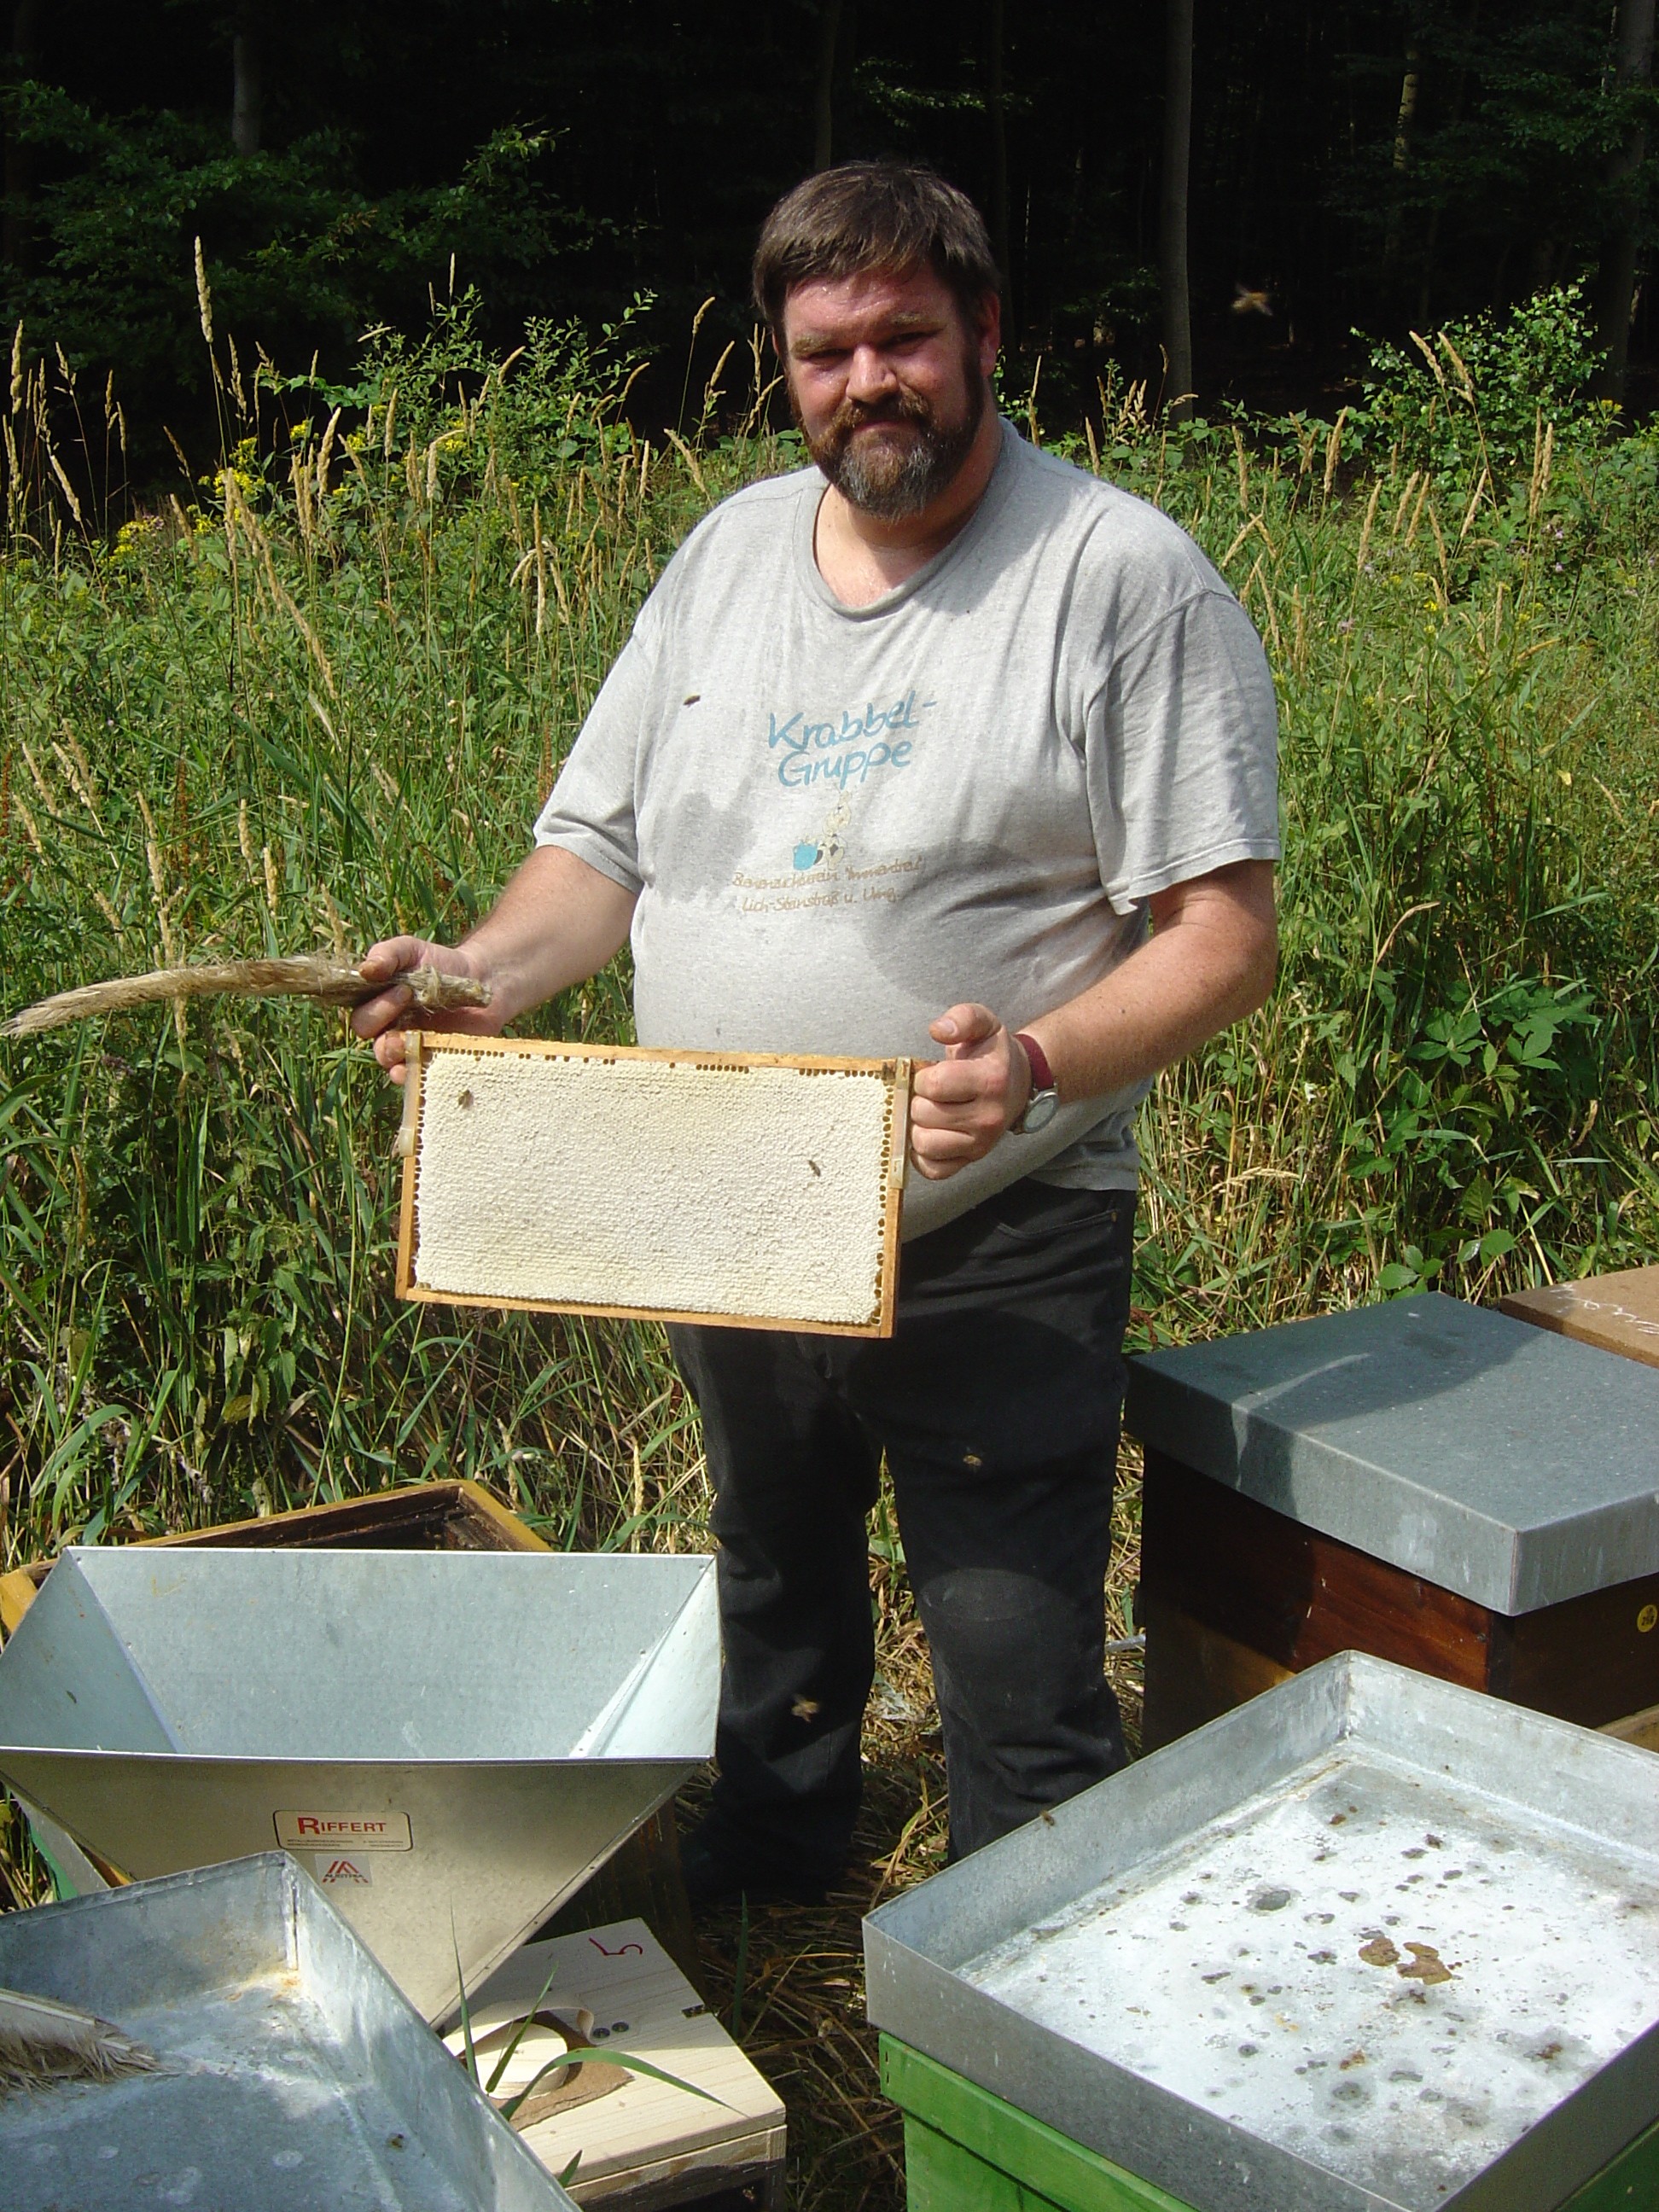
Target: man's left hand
962	1104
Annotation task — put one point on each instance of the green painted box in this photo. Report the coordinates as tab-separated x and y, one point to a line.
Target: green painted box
967	2151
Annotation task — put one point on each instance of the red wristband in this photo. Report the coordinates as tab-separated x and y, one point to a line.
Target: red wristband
1043	1076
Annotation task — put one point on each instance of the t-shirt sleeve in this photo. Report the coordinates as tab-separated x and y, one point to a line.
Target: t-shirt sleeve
1181	751
591	810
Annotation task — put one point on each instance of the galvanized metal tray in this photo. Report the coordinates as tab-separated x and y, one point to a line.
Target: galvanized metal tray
1497	1460
1371	1941
453	1741
294	2077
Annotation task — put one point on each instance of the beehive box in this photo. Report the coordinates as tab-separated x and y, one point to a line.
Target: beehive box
1370	1943
966	2150
1426	1481
1618	1313
420	1517
667	1186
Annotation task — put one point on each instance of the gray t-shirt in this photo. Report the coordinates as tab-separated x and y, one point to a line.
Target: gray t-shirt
842	820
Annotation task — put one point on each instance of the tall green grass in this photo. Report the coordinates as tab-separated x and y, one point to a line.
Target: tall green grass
319	695
1453	1085
313	702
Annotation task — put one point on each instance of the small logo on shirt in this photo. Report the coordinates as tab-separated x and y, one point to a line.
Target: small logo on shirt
812	852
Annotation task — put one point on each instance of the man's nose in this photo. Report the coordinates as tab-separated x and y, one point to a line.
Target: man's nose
870	374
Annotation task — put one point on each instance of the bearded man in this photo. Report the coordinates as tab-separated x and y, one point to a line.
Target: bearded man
940	747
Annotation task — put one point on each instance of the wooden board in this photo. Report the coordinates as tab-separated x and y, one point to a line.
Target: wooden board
646	2144
1235	1595
1619	1312
757	1191
1640	1729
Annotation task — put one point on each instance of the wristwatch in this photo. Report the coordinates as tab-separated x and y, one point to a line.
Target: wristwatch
1043	1104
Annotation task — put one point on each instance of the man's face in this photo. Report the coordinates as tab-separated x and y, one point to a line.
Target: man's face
888	383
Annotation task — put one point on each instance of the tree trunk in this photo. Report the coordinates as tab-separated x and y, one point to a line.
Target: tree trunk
1172	213
19	158
994	101
1431	244
1617	286
1404	124
824	90
247	93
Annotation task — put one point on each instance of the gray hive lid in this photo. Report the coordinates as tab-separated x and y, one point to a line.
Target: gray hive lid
1506	1463
293	2075
452	1741
1372	1943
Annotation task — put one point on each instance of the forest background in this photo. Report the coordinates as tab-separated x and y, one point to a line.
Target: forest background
372	361
1319	165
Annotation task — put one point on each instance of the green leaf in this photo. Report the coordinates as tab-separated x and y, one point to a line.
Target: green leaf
591	2055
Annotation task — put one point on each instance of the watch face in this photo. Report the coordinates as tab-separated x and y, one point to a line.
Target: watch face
1040	1109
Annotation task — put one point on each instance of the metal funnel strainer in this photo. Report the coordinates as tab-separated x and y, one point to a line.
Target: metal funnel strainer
451	1742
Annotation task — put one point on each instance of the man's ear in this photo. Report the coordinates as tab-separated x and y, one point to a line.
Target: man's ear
987	328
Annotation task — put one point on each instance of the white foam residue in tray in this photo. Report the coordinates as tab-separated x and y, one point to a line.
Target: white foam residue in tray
1388	1975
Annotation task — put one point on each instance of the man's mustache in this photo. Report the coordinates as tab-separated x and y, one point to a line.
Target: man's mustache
857	415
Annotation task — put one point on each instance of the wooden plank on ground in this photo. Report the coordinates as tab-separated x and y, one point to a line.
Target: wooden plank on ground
646	2144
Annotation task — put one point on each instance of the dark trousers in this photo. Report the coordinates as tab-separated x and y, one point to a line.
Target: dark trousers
997	1403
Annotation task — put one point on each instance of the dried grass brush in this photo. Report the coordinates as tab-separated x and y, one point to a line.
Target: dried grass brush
306	976
42	2041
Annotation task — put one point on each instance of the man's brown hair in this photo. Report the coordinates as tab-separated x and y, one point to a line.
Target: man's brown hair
862	216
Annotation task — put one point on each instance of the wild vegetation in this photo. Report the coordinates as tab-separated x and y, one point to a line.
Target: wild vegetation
319	694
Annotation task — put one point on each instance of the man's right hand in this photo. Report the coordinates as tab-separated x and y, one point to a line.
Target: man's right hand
382	1018
556	923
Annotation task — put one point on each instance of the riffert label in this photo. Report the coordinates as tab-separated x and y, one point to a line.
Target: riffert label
346	1832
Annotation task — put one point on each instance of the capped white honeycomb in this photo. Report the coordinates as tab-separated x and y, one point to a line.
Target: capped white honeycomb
669	1186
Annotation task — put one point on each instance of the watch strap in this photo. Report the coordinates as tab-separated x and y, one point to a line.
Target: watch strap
1043	1076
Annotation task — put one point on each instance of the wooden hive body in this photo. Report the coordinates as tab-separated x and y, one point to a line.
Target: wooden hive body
1427	1482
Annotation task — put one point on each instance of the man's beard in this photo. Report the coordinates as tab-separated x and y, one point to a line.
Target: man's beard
893	478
